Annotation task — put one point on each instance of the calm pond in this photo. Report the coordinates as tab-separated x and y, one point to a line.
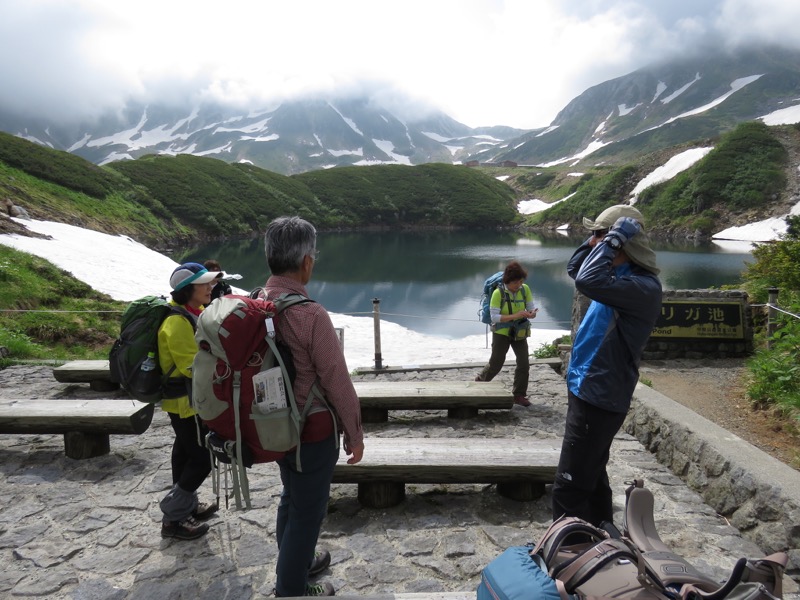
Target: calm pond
431	282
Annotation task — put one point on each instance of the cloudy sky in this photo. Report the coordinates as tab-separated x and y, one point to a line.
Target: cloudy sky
484	62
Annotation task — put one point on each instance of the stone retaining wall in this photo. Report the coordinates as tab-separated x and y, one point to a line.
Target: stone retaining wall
755	492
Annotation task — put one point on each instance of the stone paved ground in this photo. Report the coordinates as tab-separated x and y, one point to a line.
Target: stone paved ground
90	529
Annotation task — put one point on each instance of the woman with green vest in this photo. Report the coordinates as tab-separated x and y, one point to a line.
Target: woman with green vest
511	306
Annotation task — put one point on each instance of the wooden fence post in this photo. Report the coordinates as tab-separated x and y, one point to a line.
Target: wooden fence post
376	315
772	314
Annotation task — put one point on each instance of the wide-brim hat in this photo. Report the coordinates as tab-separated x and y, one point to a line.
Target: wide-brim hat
637	248
189	274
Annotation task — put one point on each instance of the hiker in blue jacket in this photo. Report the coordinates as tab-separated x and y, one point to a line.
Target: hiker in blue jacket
616	269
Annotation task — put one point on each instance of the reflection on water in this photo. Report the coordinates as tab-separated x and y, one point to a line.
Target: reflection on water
432	281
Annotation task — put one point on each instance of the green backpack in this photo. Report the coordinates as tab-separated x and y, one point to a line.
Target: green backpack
133	359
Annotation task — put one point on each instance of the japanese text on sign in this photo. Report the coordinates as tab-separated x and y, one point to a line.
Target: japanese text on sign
697	319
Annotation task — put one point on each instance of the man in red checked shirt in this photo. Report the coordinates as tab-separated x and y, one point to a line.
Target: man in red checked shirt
290	245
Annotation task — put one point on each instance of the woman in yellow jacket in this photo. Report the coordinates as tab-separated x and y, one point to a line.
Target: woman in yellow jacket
511	305
191	285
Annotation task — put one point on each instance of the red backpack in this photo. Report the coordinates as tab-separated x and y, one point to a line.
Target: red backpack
242	380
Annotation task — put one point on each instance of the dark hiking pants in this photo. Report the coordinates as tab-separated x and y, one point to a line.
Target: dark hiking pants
581	488
500	346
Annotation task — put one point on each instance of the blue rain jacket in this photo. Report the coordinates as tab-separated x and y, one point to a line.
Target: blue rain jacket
608	346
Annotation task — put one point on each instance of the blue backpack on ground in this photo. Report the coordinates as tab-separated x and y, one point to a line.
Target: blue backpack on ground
489	286
516	575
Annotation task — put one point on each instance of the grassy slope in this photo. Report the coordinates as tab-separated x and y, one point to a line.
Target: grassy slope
168	200
744	179
429	194
49	314
58	186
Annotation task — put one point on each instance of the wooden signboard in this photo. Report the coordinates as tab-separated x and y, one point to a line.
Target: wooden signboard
698	319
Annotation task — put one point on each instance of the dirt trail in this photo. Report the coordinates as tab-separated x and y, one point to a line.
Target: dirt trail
716	390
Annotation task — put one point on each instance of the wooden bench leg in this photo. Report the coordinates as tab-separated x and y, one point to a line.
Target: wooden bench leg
374	415
103	385
80	445
521	490
462	412
381	494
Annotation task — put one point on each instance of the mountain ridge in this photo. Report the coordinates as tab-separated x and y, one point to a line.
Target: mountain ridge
692	98
667	103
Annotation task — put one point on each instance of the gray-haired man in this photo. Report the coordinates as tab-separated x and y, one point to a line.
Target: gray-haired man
290	246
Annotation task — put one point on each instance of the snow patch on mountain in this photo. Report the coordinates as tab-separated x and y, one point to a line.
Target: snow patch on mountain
548	130
80	143
593	146
350	122
436	137
256	127
660	89
260	138
680	90
676	164
735	87
388	148
337	153
784	116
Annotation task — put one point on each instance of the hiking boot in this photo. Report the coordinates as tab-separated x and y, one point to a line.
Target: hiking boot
188	529
320	589
521	401
315	589
205	510
320	563
478	378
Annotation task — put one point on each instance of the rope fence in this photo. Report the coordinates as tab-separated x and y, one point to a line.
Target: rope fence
771	306
772	313
376	314
350	314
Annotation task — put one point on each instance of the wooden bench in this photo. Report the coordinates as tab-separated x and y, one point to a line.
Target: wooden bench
520	467
461	399
94	372
86	424
554	363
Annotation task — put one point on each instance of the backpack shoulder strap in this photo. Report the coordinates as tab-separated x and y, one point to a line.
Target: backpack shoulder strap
766	572
180	310
527	294
504	297
582	568
559	533
287	300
